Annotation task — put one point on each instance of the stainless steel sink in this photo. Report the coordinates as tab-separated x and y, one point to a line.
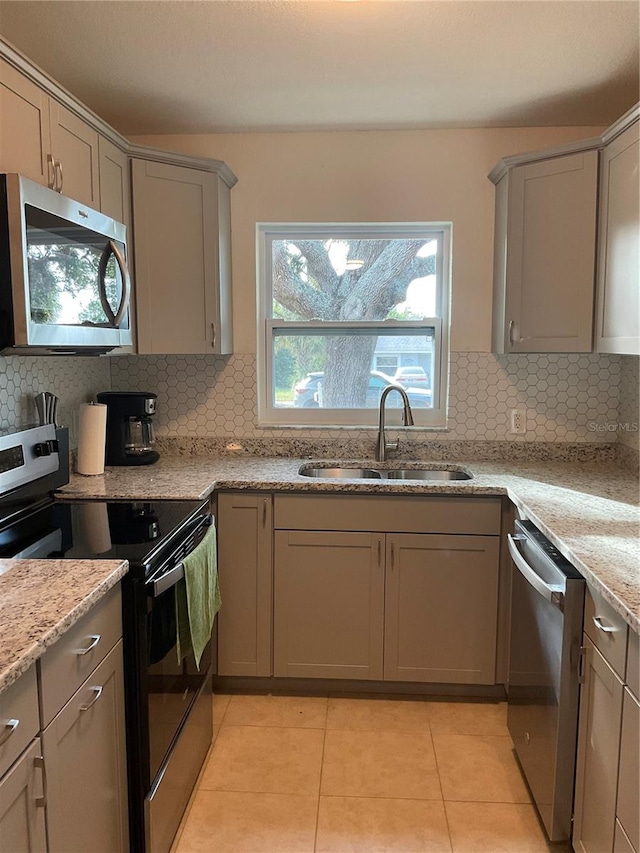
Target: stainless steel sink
357	473
425	474
342	473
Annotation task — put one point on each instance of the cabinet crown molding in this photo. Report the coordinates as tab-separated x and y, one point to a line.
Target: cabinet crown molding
40	77
595	142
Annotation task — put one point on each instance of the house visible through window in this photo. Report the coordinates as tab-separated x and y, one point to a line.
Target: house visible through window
344	311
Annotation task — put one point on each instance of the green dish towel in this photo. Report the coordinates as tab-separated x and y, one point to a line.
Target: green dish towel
198	598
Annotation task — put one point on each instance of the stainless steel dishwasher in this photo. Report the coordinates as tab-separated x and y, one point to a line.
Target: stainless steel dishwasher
547	605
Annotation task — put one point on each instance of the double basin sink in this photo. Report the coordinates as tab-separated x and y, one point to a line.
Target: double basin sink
356	472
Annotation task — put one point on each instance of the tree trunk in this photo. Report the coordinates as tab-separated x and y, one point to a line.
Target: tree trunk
346	372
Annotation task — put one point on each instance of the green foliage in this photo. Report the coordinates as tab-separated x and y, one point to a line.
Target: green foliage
285	368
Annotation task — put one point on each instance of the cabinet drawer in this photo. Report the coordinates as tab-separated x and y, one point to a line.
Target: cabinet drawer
18	703
633	663
374	513
65	665
628	774
606	629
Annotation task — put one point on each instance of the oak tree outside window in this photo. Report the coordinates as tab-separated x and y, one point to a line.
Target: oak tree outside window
343	311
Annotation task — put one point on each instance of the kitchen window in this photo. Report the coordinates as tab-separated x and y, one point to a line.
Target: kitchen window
343	311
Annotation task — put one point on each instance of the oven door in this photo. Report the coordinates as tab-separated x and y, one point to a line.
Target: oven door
172	684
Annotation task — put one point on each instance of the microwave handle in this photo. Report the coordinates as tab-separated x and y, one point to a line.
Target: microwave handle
112	249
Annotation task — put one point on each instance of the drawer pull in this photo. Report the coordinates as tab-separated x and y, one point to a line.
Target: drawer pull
9	728
98	694
606	629
95	639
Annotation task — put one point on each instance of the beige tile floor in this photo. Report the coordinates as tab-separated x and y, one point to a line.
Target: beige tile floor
297	775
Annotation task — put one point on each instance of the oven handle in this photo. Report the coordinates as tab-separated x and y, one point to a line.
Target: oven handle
550	592
156	586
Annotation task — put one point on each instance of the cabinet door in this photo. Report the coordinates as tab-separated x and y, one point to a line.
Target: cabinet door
74	145
628	803
175	214
22	827
441	608
597	764
25	140
618	314
548	278
115	193
245	565
84	751
329	601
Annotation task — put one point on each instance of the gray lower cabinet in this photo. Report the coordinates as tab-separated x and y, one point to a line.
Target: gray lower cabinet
441	608
328	604
598	745
84	753
628	805
245	565
22	824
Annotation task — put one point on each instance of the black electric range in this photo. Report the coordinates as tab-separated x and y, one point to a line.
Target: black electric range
168	701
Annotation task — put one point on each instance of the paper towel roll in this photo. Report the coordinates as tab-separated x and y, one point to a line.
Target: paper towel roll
94	523
92	430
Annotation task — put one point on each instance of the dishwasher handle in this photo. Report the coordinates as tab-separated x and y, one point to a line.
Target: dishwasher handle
552	593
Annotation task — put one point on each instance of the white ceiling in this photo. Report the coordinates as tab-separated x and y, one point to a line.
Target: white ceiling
188	66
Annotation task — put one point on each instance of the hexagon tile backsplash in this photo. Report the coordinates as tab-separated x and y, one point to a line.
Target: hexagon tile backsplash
567	398
73	380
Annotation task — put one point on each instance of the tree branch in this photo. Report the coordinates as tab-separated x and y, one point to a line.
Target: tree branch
292	292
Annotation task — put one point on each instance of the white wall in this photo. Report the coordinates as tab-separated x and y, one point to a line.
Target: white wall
371	176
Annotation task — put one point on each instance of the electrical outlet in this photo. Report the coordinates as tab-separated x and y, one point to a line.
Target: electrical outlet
518	421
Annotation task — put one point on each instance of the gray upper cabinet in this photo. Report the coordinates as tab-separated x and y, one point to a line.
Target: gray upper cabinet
25	140
618	310
245	538
115	186
182	259
74	146
544	255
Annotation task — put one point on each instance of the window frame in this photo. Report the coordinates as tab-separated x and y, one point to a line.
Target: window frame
367	418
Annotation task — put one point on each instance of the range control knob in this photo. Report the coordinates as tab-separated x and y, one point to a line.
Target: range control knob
43	448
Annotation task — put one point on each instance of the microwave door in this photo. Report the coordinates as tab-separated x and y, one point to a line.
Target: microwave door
67	271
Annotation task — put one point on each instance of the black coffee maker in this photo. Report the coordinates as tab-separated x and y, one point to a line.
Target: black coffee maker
130	437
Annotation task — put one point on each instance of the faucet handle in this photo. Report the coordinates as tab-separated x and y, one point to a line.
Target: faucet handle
392	445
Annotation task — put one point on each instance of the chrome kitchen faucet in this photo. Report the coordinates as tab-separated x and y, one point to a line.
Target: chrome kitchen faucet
407	420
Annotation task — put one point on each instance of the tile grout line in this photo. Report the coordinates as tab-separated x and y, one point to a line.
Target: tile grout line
444	805
324	741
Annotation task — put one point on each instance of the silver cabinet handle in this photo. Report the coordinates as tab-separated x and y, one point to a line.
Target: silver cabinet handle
512	327
98	694
606	629
95	639
213	335
9	728
112	249
60	172
38	763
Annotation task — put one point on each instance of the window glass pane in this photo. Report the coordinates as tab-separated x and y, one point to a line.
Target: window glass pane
354	279
316	369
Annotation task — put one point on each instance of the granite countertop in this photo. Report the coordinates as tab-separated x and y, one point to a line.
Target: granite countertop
40	600
588	510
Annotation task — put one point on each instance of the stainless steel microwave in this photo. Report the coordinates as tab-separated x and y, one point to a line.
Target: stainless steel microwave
64	283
